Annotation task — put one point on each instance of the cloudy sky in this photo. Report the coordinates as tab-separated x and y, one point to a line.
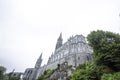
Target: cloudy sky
31	27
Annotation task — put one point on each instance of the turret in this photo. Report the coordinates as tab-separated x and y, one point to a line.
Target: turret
59	42
39	61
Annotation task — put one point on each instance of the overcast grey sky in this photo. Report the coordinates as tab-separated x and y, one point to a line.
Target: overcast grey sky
29	27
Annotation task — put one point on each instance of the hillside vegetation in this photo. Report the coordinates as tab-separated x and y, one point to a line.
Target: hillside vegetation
106	60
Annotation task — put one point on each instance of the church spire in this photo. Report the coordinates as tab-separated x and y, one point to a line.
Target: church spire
59	42
60	37
39	61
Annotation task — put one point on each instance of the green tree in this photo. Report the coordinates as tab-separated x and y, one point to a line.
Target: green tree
114	76
106	46
14	78
46	74
2	71
85	71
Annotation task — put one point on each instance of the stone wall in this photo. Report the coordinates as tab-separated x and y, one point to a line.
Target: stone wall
75	51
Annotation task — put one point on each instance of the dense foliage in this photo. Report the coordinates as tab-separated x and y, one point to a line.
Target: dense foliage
14	78
106	46
85	72
114	76
106	59
46	74
2	71
6	76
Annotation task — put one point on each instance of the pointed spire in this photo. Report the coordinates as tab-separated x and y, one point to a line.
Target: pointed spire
60	37
39	61
59	41
40	56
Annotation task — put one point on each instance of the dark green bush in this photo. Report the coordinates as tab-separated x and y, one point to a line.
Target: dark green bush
114	76
46	74
85	72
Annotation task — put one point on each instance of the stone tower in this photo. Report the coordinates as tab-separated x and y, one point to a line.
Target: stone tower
75	51
39	61
35	70
59	41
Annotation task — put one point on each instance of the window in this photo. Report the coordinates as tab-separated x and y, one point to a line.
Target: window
78	58
87	58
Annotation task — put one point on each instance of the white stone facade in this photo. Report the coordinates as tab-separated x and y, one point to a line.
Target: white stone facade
75	51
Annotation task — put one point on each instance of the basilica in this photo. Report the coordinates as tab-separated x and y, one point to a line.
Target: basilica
75	51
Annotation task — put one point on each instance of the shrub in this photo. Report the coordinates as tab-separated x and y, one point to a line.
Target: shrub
85	72
46	74
114	76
